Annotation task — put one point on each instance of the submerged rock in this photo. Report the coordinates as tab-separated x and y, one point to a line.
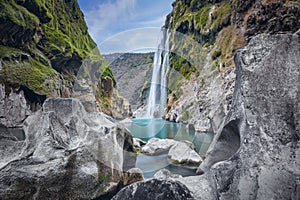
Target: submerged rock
256	153
155	189
67	154
184	153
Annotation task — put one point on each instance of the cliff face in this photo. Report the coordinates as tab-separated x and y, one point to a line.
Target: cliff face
204	38
43	45
133	75
256	153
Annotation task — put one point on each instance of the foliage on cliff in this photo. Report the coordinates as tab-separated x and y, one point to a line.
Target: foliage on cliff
206	34
43	44
227	25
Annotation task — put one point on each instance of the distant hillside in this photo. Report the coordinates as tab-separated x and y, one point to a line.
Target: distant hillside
132	72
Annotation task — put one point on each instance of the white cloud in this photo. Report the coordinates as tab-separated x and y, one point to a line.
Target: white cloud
135	40
109	15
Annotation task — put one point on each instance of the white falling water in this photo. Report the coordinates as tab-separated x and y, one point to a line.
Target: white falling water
158	89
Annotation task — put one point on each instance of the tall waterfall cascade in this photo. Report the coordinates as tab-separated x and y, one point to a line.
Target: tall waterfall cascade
158	89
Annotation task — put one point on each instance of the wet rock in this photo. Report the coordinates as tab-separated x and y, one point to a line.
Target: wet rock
256	153
155	189
184	153
156	145
67	154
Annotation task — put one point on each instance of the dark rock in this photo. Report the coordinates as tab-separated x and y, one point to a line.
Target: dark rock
155	189
256	154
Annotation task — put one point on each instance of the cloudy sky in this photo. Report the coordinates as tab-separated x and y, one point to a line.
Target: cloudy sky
125	25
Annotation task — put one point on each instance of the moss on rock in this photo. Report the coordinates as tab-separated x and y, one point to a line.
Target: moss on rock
43	44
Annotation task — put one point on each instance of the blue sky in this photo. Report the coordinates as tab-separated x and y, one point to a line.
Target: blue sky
125	25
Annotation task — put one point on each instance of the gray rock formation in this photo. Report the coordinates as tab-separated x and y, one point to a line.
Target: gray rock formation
155	189
184	153
165	174
200	186
156	145
256	153
205	101
67	153
13	108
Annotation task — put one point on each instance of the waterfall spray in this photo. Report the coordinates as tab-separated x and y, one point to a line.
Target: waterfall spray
158	89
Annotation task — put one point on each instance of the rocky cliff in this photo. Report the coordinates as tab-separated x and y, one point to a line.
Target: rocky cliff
204	37
256	154
43	45
132	72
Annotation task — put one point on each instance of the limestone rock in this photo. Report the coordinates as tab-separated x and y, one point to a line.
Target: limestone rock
165	174
155	189
256	153
156	145
67	154
13	108
184	153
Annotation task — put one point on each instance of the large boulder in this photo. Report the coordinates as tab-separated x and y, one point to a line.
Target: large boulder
184	153
200	186
155	189
156	145
256	153
67	153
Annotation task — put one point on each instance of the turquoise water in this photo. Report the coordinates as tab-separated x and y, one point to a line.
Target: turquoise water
149	128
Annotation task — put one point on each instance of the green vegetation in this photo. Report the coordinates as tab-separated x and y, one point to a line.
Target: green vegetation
31	74
221	15
202	17
185	115
11	11
182	66
6	52
51	35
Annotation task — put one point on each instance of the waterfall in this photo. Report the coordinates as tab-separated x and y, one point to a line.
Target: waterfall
158	89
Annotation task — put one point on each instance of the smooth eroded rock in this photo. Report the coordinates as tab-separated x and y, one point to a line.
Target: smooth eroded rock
184	153
256	153
67	154
156	145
